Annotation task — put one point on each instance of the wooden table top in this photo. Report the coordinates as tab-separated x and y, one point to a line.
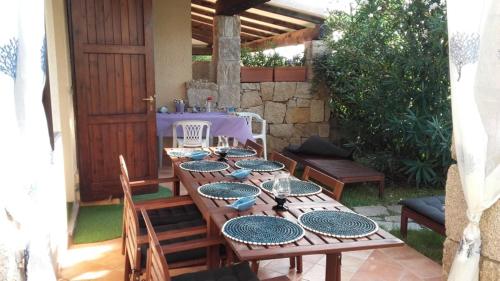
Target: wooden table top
217	211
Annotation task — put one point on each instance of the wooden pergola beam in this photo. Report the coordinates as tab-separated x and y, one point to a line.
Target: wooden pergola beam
202	50
253	16
207	30
290	13
243	21
286	39
234	7
256	33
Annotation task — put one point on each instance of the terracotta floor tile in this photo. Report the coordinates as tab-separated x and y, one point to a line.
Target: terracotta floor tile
422	267
317	272
379	267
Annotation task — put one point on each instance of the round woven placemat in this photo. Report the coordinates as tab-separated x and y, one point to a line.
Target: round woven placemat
240	152
228	190
262	230
183	152
204	166
297	187
338	224
260	165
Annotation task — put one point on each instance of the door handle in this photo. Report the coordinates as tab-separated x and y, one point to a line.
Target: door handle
151	100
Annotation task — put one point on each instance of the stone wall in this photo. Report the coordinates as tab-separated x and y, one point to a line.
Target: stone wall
456	221
293	112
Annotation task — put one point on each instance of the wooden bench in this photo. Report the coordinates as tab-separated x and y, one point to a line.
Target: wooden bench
427	211
346	171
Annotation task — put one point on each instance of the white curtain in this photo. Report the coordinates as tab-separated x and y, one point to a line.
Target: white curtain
25	152
474	42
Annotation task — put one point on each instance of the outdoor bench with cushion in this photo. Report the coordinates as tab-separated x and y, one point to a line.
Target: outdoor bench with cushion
427	211
333	161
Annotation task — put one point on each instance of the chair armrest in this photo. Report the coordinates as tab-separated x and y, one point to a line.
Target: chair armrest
164	203
191	245
152	182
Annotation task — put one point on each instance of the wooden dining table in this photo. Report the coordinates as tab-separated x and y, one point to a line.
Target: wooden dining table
216	213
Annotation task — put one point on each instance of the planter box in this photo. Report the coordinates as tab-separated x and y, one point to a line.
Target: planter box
256	74
290	74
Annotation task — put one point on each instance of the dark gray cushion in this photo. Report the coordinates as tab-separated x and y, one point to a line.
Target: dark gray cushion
318	146
431	207
238	272
180	256
173	215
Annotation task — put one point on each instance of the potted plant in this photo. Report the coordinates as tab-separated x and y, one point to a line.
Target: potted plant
256	67
293	71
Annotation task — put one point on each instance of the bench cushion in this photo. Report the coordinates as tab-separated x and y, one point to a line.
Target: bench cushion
318	146
431	207
237	272
165	216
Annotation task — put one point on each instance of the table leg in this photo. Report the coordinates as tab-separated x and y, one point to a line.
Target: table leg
381	189
333	267
213	252
176	185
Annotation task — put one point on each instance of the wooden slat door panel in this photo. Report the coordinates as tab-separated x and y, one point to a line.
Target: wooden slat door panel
113	61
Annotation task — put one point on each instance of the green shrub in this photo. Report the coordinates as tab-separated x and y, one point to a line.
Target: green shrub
260	59
387	73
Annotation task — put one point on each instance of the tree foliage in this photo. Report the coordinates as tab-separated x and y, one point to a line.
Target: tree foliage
387	71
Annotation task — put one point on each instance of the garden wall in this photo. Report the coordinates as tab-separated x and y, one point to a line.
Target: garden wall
292	110
456	221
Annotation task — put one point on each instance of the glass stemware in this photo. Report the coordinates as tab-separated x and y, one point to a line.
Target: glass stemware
281	190
223	148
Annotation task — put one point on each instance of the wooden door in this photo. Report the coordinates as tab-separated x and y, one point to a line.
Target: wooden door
114	80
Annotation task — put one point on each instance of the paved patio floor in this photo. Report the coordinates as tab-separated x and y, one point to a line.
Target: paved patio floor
104	261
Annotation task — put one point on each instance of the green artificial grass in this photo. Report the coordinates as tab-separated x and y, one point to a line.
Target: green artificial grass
366	194
101	223
427	242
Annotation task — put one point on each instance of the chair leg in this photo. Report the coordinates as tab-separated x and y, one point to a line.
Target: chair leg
255	267
403	228
160	151
292	262
299	264
381	189
265	147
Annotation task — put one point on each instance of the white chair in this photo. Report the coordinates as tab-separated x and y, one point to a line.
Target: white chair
249	117
192	131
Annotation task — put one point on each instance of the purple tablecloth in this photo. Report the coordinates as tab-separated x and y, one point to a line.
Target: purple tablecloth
222	124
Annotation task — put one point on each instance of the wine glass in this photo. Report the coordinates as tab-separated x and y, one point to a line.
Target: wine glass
223	148
281	190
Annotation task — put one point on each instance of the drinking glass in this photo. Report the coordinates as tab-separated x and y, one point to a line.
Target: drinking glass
281	190
223	147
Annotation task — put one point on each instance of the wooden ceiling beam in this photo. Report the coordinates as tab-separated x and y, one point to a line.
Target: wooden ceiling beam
202	50
290	13
253	16
244	29
235	7
287	39
207	29
244	22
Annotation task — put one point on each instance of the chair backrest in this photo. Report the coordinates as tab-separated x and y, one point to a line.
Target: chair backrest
131	226
290	164
156	264
257	147
335	186
250	116
192	132
123	168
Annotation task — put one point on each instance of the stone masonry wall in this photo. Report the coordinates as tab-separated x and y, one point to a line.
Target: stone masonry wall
456	221
292	111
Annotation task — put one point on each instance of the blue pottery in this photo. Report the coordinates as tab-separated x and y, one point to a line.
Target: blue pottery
198	155
241	174
243	204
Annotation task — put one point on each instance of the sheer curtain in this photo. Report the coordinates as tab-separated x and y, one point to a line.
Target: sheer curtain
474	42
26	157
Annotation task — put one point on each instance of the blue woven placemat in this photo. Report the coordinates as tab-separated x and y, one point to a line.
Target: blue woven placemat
183	152
297	187
262	230
241	152
204	166
338	224
228	190
260	165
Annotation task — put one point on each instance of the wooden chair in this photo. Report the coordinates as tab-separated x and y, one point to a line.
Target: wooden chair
131	184
157	268
255	146
290	164
335	188
175	218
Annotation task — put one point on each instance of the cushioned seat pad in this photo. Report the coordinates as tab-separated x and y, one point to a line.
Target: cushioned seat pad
179	256
318	146
431	207
173	215
238	272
